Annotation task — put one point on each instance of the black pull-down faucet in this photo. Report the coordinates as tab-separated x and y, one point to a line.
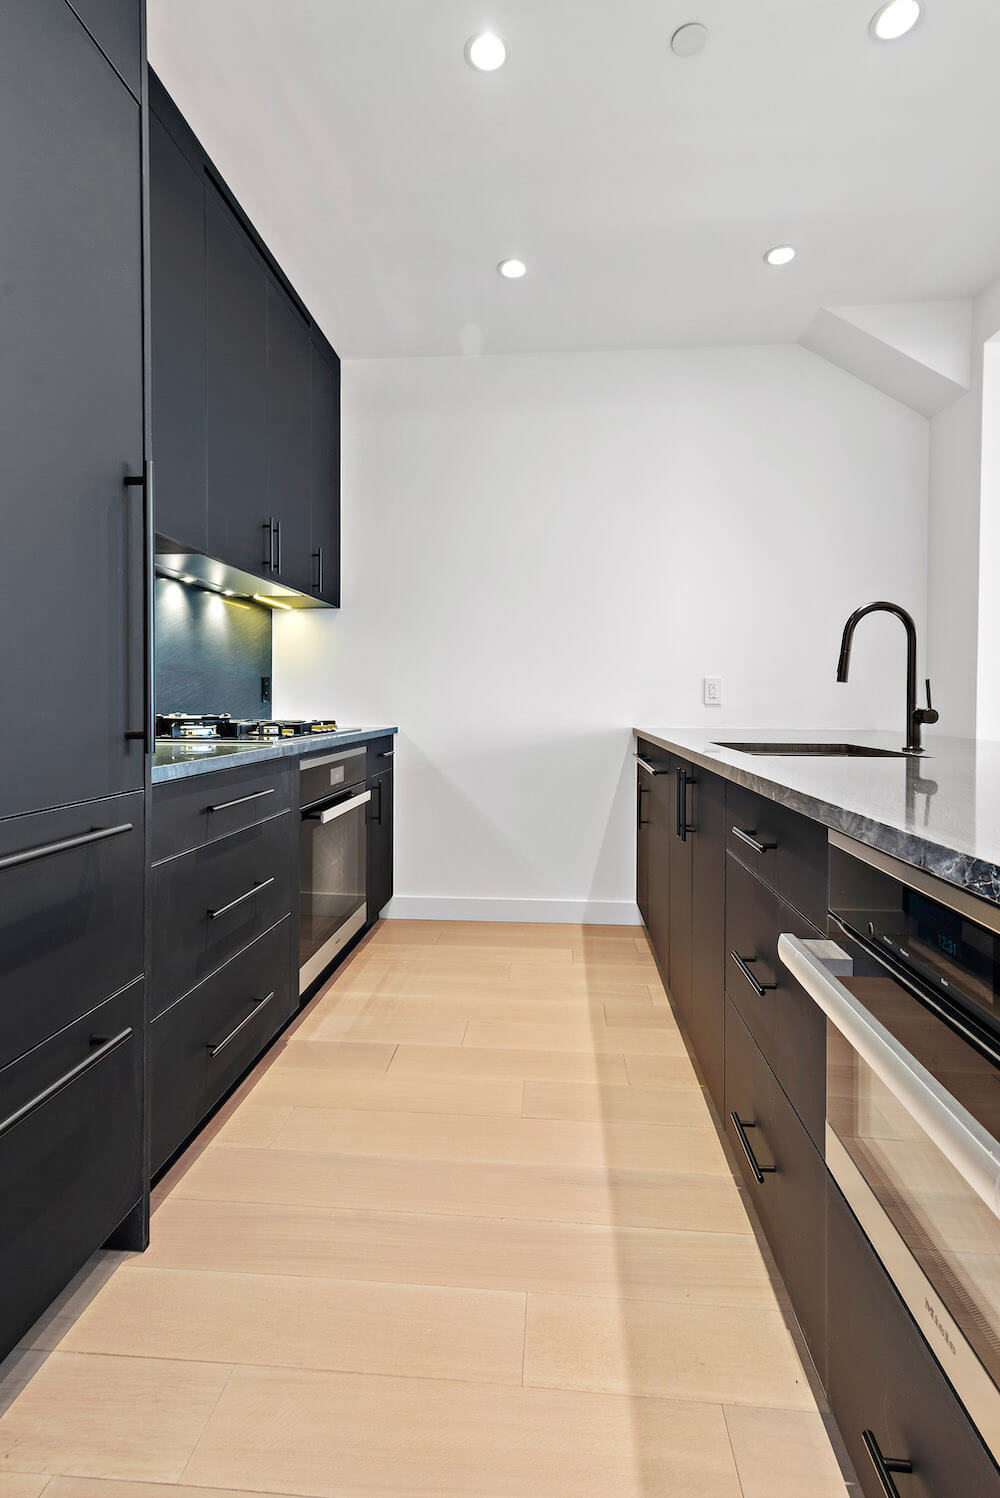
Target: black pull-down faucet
916	716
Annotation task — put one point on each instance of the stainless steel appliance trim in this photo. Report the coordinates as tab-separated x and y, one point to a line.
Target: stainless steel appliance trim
961	1138
980	911
942	1333
331	813
330	759
311	970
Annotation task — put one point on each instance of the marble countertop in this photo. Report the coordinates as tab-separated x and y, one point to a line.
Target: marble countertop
939	812
175	759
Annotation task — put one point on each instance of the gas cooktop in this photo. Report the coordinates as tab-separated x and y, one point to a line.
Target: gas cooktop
223	726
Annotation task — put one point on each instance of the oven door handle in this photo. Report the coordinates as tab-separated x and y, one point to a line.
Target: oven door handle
326	814
960	1137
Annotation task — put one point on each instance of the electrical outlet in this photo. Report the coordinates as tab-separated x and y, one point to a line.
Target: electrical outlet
713	691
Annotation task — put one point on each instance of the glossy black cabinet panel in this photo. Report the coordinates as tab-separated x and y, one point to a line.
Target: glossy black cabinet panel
177	342
70	1168
71	920
209	904
789	1194
71	608
379	876
882	1377
785	1022
237	386
189	813
289	433
705	1017
785	849
204	1043
116	26
325	582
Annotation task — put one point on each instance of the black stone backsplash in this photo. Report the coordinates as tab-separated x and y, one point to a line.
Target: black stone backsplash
210	652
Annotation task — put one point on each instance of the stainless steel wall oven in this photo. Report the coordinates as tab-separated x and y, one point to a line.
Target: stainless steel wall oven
332	858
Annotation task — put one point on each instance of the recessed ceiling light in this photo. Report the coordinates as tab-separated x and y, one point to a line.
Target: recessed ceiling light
486	52
781	254
690	39
512	270
894	20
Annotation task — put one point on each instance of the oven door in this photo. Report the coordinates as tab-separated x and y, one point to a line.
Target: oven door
912	1115
332	874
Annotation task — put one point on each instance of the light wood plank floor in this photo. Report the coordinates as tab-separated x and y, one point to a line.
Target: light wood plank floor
468	1231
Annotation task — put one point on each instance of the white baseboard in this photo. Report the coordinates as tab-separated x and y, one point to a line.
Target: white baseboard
555	912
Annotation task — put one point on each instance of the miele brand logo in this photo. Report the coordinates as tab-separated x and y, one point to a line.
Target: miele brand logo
940	1327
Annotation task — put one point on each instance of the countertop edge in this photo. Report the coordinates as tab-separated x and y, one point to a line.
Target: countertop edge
974	875
281	749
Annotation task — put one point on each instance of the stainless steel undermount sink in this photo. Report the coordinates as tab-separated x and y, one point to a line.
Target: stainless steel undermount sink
839	751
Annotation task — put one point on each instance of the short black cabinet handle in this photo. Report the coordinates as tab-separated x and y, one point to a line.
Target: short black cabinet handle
760	989
104	1048
683	781
760	1171
213	915
213	1050
46	850
268	529
641	820
752	842
241	800
318	558
884	1465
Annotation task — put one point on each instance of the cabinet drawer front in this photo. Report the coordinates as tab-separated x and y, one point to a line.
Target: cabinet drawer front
70	915
790	853
783	1020
203	1044
881	1377
790	1196
190	813
211	903
70	1167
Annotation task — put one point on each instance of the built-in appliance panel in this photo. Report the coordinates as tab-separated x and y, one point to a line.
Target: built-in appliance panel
210	903
191	813
788	851
70	1153
783	1019
881	1379
71	920
784	1175
204	1043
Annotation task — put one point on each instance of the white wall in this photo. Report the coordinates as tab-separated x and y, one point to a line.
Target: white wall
541	551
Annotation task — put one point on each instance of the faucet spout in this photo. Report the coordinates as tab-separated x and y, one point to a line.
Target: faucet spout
916	717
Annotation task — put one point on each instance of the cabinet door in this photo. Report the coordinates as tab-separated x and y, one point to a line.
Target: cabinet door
325	581
71	391
882	1378
289	351
643	790
116	26
659	809
379	884
681	844
177	294
236	404
708	905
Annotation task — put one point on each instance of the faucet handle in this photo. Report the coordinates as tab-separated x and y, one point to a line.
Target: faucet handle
928	714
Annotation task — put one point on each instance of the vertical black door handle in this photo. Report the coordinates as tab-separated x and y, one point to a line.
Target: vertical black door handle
641	821
144	481
277	547
318	558
268	529
683	780
884	1465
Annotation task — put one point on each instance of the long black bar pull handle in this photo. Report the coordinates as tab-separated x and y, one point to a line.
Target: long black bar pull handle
884	1466
144	480
318	558
760	1171
760	989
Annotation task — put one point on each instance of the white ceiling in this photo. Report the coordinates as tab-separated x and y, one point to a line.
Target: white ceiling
640	188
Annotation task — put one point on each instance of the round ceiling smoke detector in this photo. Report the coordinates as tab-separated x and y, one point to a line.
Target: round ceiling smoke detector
690	39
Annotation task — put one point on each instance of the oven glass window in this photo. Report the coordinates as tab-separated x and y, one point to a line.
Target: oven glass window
331	878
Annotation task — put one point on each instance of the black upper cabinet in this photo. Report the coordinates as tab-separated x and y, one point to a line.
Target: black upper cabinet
289	458
237	389
116	26
71	389
177	293
325	496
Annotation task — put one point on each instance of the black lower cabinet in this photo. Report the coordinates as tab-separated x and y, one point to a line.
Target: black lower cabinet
379	877
784	1174
882	1379
706	1015
680	846
205	1042
71	1153
656	797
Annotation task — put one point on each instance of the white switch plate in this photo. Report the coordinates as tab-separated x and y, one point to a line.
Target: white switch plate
713	691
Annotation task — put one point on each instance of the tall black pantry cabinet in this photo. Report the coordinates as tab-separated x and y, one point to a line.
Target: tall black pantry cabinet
74	625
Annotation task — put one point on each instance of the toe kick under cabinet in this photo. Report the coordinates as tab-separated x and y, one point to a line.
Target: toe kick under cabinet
224	902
